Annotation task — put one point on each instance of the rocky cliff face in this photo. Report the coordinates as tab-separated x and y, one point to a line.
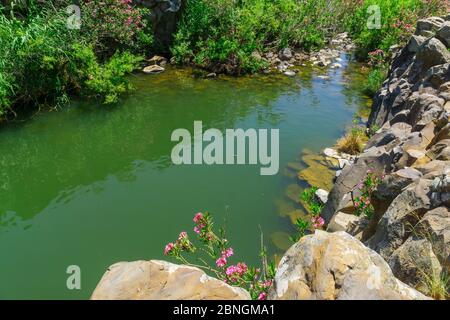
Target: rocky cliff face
411	225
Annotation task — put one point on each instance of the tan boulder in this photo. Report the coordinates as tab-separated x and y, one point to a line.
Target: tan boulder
161	280
336	266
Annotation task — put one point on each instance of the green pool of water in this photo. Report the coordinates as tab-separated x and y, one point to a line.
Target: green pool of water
91	185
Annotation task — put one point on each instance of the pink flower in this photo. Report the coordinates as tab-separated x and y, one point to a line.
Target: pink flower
182	235
228	253
168	249
262	296
221	262
241	268
317	222
198	217
230	270
237	270
197	229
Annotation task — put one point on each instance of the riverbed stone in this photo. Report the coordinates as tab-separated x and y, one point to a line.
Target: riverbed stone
336	266
153	69
161	280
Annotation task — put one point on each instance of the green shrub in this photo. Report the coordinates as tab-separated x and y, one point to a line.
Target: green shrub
33	56
42	61
374	81
106	81
398	20
223	34
110	25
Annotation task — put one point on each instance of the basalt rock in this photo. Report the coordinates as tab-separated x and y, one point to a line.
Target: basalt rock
410	224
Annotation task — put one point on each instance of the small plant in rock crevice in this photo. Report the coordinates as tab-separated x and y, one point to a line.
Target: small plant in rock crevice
314	220
366	187
436	285
214	254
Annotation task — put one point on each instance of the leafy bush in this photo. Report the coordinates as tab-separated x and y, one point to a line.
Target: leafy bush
106	81
42	61
374	81
398	19
33	56
114	24
224	34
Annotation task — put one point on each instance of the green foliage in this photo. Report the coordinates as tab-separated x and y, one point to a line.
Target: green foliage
33	56
302	226
105	81
374	81
109	25
223	34
366	187
314	221
398	18
42	61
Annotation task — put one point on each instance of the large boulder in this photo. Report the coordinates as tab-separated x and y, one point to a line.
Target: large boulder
443	33
336	266
413	260
160	280
404	212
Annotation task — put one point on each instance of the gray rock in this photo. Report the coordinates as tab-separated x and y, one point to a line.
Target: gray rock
336	266
285	54
322	195
153	69
413	260
435	227
433	52
404	212
341	221
443	33
429	25
289	73
415	42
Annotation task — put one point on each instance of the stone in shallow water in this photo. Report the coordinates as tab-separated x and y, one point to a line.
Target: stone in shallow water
289	73
153	69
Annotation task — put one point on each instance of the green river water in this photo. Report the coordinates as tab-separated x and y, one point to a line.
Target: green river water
91	185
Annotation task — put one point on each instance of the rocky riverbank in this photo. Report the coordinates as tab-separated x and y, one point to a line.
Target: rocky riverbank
402	249
286	61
